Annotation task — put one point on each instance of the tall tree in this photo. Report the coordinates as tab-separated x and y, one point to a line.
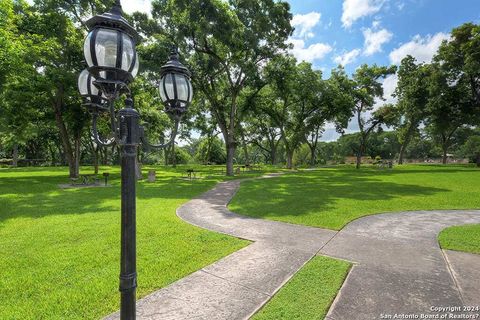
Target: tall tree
228	42
450	106
412	93
262	132
366	90
293	99
18	57
471	149
334	106
460	58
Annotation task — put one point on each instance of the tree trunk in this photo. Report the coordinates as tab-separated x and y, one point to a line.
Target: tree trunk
402	152
67	146
445	142
231	144
405	143
95	160
359	160
105	156
246	155
62	161
76	163
273	149
209	149
359	156
52	154
478	159
15	155
289	159
230	156
273	156
313	156
166	152
361	151
174	156
245	149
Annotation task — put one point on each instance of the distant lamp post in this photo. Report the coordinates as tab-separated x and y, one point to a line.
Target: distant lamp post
110	53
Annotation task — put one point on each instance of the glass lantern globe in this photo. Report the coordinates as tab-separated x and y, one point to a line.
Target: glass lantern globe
109	48
111	54
175	86
92	97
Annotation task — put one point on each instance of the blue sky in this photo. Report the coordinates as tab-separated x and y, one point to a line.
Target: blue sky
375	31
353	32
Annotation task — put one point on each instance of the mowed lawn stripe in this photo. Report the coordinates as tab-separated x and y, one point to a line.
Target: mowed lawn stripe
60	249
332	197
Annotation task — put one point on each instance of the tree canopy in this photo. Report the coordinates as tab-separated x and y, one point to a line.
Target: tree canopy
252	100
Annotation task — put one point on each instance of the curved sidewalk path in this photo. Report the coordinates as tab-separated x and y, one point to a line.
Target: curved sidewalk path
398	264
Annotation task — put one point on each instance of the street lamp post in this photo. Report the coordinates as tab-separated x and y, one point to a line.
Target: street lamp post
112	65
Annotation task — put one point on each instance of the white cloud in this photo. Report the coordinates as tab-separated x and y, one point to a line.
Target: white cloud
130	6
347	57
374	40
313	52
389	86
304	23
356	9
422	49
376	24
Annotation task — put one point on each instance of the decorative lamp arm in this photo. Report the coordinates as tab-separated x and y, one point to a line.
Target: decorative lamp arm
96	137
148	145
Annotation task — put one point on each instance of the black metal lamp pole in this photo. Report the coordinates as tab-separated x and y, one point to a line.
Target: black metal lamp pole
130	129
112	65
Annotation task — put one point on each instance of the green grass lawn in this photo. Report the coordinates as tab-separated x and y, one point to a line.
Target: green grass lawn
332	197
59	249
309	294
461	238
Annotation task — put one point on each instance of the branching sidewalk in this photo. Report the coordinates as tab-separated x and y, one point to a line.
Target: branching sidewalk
400	266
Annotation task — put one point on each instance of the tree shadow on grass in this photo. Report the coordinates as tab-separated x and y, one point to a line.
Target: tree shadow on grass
39	195
297	195
402	169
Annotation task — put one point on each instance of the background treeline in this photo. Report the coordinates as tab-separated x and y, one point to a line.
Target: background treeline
253	101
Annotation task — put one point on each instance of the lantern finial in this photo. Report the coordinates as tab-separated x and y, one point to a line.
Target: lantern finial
117	8
174	55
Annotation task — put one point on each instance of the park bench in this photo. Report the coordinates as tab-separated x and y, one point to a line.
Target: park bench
385	164
190	173
85	180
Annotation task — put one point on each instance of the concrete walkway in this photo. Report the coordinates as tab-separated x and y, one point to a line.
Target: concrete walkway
400	268
398	264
